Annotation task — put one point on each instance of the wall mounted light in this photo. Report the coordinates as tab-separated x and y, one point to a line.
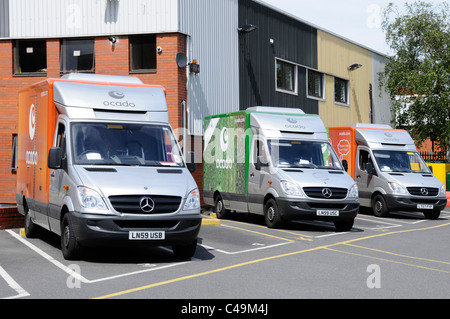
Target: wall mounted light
355	66
247	28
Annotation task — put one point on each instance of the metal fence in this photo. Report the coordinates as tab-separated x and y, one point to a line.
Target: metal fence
435	157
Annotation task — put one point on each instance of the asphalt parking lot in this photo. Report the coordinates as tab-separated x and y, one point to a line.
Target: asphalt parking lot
402	256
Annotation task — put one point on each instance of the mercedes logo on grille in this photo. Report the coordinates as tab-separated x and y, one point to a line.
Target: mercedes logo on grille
424	191
326	192
147	204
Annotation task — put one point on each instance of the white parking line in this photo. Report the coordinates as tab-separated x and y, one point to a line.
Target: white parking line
77	276
242	251
13	284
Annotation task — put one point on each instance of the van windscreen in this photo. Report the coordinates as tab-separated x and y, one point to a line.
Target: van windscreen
304	154
124	144
400	161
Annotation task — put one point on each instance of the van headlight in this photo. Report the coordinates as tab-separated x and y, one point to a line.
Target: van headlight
192	200
397	188
353	193
442	191
291	189
89	198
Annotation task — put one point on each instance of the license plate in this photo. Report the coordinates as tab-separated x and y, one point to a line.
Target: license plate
146	235
424	206
322	212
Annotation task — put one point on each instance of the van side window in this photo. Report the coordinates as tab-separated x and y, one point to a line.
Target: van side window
364	158
61	139
259	150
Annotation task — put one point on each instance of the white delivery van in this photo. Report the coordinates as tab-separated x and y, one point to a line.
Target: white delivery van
390	173
276	162
98	164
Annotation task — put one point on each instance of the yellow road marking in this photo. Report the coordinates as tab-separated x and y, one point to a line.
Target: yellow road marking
388	260
266	259
400	255
259	233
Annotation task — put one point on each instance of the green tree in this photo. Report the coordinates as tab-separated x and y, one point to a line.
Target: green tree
417	75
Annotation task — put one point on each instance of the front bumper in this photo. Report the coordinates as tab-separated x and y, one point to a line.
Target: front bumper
96	230
410	204
291	209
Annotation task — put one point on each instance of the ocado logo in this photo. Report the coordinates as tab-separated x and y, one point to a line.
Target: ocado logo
224	139
32	121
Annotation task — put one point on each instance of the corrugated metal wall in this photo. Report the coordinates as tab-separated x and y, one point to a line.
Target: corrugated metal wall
66	18
293	41
381	100
211	26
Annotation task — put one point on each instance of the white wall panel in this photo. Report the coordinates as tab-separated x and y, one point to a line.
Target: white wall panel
69	18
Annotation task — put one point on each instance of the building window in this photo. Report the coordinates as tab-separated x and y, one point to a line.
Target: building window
30	57
143	53
286	74
77	55
341	91
13	165
315	84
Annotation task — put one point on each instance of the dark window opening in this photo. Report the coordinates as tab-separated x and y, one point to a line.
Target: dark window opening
30	57
77	55
340	91
143	53
315	84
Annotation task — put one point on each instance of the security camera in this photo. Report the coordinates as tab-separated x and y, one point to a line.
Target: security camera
159	49
112	39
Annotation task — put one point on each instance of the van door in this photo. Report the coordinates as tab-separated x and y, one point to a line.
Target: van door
363	178
56	196
256	185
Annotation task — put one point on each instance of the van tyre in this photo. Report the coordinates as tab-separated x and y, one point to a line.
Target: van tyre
70	247
434	214
185	251
31	229
343	225
272	214
379	206
219	208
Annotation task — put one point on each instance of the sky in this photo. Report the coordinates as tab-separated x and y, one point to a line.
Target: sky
356	20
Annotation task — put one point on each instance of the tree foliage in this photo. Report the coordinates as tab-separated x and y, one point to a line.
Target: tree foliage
417	76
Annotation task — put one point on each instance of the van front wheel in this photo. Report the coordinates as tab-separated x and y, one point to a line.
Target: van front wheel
69	244
379	206
272	214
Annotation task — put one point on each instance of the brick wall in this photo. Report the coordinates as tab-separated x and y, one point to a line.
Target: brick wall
109	59
10	218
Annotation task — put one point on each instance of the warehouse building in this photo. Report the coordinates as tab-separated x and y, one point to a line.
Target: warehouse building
211	56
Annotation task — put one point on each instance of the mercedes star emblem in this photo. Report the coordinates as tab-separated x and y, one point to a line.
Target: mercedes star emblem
424	191
147	204
326	192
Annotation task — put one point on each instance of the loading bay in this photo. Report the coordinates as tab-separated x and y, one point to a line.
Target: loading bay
402	256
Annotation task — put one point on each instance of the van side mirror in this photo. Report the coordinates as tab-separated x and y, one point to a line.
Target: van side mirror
260	163
431	169
55	158
191	166
370	169
345	164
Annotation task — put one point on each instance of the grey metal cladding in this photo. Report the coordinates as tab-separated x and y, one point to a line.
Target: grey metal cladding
4	18
293	41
